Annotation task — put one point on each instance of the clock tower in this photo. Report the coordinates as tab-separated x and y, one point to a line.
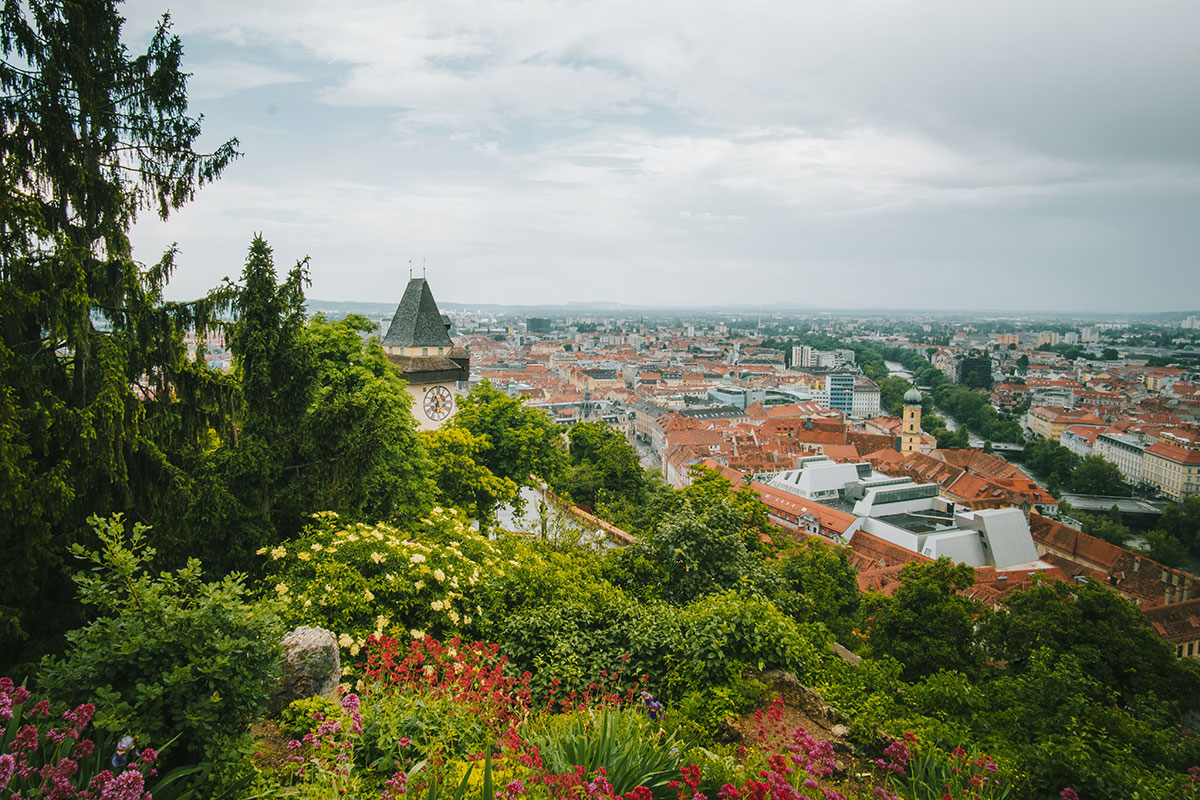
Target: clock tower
418	342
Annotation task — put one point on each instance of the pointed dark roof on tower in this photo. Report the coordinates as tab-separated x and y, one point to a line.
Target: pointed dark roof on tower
417	322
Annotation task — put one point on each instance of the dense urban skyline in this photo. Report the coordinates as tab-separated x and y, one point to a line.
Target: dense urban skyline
833	155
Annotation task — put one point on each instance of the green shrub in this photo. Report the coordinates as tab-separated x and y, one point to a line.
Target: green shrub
297	719
169	655
723	633
698	716
356	579
632	750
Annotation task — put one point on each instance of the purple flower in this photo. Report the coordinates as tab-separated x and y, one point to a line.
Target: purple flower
129	785
8	765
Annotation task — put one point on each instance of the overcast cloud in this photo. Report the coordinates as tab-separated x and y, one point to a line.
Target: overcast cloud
949	154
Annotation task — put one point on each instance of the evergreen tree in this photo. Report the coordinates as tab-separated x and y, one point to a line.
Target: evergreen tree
91	360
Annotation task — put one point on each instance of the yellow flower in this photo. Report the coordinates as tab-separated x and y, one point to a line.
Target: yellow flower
352	538
367	595
378	558
260	551
303	556
419	585
354	648
377	535
278	552
391	577
345	640
281	588
315	546
436	605
466	620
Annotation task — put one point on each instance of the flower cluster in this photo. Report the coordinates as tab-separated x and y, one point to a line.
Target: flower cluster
472	675
653	708
48	755
339	575
324	757
928	770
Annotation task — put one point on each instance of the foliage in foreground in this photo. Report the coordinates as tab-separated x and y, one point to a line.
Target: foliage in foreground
168	657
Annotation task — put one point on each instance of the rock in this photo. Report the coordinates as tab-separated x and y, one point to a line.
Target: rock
853	659
311	666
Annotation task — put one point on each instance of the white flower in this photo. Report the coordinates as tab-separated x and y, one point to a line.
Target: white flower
367	595
416	558
437	605
378	558
315	546
419	585
345	640
382	622
439	576
416	634
281	588
454	616
278	553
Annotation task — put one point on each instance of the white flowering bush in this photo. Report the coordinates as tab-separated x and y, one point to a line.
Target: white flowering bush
357	579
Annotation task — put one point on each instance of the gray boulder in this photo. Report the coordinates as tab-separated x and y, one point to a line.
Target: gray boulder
311	667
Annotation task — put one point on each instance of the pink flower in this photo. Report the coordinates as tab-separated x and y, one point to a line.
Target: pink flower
8	765
1068	794
26	739
129	785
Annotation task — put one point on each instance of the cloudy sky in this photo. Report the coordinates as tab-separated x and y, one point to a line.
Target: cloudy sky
936	154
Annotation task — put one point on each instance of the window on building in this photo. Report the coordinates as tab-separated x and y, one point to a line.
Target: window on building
424	351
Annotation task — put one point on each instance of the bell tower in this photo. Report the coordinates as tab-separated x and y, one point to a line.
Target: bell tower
418	342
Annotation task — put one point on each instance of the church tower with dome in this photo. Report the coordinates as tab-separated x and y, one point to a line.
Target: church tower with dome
418	342
910	426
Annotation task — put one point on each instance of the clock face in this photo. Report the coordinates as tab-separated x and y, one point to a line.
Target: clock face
438	403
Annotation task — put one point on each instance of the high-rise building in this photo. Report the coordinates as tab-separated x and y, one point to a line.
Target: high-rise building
840	387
